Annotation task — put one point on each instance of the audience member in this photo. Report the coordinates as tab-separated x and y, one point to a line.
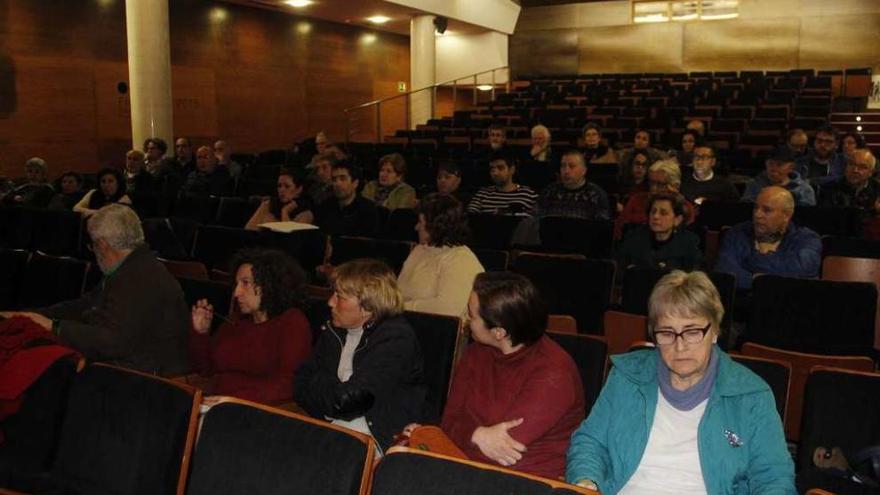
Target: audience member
505	197
208	178
516	396
780	171
438	273
449	181
289	205
35	191
390	190
70	192
685	154
136	316
684	417
157	164
858	188
594	150
701	183
321	178
137	179
223	154
111	189
366	372
633	176
321	143
770	243
822	164
183	155
573	196
347	213
850	142
641	142
797	142
661	243
255	357
697	125
663	177
540	150
497	138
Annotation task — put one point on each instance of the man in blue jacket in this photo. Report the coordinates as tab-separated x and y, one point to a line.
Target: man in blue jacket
770	243
780	171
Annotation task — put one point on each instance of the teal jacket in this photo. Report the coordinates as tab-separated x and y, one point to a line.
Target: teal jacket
607	448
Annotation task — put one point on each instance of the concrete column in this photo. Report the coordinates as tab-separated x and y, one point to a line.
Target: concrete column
149	71
422	67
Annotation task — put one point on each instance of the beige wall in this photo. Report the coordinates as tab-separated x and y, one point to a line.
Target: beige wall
768	35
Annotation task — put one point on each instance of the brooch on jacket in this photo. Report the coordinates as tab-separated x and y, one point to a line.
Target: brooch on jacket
732	438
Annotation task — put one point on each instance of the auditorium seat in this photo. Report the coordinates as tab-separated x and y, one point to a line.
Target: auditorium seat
346	248
235	212
400	225
590	355
215	245
591	238
850	246
493	260
843	222
622	330
846	269
218	294
187	269
440	338
12	271
200	209
246	448
123	432
801	364
492	231
160	237
841	409
52	279
407	471
571	284
814	316
776	373
56	232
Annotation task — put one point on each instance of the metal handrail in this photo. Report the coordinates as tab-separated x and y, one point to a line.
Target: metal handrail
454	82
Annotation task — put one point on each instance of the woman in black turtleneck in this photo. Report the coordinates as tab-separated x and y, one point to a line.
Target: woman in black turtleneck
661	243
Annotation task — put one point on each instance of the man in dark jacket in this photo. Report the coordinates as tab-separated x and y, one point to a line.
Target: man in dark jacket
770	243
136	316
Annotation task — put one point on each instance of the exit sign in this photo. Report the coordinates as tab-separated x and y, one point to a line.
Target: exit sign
401	86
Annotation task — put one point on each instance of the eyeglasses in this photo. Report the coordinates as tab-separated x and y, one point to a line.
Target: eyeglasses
689	336
703	157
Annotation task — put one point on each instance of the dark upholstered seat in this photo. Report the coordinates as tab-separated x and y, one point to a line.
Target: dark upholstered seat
439	337
590	353
67	275
775	372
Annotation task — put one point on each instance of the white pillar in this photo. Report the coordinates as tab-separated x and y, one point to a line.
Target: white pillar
149	71
422	67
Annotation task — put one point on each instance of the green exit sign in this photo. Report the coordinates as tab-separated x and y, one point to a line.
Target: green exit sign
401	86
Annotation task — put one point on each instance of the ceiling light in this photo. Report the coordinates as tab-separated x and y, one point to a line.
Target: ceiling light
485	87
378	19
299	3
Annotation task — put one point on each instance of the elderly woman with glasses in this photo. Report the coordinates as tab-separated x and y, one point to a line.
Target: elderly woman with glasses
682	418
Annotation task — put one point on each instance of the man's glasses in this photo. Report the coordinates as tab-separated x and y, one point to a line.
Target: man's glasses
689	336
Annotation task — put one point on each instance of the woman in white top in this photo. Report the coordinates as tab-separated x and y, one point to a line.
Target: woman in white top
438	274
111	189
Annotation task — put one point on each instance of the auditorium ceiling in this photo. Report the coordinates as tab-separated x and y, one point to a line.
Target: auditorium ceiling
356	12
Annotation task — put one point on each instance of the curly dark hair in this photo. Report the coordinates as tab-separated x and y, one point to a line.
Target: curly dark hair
445	219
279	277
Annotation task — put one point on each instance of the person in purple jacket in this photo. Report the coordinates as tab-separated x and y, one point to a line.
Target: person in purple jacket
770	243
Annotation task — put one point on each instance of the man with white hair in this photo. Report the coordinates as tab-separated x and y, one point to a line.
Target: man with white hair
136	316
770	243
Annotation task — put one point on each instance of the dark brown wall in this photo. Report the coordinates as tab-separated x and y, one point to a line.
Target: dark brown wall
260	79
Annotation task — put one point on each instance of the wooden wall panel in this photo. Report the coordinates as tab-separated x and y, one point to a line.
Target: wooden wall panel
821	42
769	44
637	48
260	79
544	52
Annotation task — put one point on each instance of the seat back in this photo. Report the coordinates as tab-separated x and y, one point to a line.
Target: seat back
846	222
492	231
717	214
67	276
590	354
815	316
12	271
200	209
571	285
850	246
235	212
218	294
405	471
592	238
775	372
56	232
186	269
126	432
214	245
401	225
246	448
623	329
801	364
561	324
493	260
394	253
439	338
841	409
160	236
845	269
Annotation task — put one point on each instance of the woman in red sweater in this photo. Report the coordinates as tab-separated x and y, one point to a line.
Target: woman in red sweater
255	356
516	396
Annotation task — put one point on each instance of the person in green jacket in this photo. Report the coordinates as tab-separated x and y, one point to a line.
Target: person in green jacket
390	191
682	418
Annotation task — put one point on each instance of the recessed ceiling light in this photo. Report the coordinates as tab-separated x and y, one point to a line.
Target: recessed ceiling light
485	87
299	3
378	19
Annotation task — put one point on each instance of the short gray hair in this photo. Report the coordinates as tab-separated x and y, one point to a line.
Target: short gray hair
118	225
540	129
37	163
670	168
685	295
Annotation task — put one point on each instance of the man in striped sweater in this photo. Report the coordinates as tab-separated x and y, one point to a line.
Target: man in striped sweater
505	197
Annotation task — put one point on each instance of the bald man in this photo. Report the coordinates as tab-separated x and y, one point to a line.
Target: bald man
770	243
